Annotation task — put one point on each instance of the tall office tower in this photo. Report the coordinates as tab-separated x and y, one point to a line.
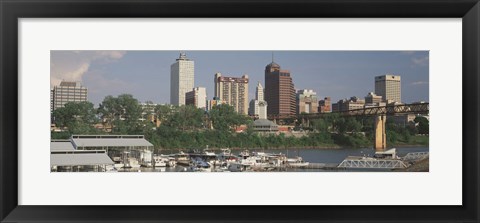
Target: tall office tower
67	91
233	90
258	107
307	101
181	79
197	97
279	90
325	105
389	87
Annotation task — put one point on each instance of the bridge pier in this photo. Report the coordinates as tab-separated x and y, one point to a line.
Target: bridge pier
380	135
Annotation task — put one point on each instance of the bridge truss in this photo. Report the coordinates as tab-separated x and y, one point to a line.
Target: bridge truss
418	108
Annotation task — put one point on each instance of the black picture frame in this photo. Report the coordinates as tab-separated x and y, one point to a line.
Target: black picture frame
12	10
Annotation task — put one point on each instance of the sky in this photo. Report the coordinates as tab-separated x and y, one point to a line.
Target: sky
146	74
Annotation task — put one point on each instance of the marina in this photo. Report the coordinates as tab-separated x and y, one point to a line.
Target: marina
132	153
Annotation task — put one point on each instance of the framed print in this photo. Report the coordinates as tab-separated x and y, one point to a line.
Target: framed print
225	111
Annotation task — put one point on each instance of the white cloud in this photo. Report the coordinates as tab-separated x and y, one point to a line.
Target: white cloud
72	65
422	61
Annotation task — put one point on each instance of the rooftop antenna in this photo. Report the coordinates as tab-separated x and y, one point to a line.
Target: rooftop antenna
272	56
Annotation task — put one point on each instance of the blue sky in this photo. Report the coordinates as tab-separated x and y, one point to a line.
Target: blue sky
146	74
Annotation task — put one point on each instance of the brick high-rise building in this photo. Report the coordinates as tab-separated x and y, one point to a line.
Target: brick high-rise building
279	91
233	90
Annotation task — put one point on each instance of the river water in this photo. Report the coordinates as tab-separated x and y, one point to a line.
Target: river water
330	156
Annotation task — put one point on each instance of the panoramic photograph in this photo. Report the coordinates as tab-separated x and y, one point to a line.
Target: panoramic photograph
239	111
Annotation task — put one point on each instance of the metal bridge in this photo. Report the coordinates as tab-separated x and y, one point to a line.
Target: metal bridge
418	108
374	163
353	162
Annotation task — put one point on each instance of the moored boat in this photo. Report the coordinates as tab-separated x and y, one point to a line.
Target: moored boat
297	162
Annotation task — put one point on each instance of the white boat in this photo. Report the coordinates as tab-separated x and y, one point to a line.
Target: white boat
297	162
225	157
164	161
247	163
160	161
133	162
171	162
182	158
225	152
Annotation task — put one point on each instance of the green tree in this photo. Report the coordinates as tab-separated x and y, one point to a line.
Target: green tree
186	118
122	114
423	124
319	125
333	120
164	112
77	117
224	118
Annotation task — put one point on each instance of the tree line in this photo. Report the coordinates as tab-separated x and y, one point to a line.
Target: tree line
188	127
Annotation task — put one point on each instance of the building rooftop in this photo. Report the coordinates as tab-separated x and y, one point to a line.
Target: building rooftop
69	159
273	64
109	142
62	145
70	84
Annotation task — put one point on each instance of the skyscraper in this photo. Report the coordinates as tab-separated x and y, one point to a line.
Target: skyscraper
181	79
389	87
67	91
307	101
258	107
279	90
233	90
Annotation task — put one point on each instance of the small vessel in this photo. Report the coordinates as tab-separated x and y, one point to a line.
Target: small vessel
296	162
210	157
133	162
225	157
160	160
200	165
164	161
182	159
171	162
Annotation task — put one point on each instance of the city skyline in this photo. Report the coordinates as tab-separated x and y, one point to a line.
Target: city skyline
335	74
